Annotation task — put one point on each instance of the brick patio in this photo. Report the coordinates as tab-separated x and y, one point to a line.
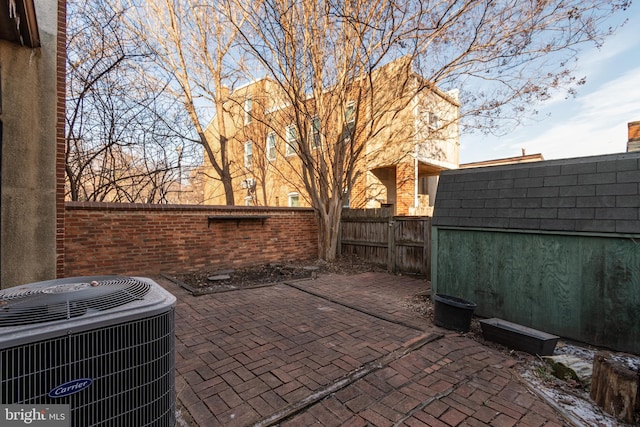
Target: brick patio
338	350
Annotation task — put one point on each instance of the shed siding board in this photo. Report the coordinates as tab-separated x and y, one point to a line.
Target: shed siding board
557	250
585	288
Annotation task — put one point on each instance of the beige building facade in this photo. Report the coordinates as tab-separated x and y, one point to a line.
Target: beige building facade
32	95
405	137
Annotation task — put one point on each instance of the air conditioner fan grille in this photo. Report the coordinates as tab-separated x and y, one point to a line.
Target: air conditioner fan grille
66	299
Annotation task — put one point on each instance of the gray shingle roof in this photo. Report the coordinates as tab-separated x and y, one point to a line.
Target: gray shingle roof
587	194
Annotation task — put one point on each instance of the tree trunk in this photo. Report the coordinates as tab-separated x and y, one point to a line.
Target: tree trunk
228	189
328	229
325	238
614	388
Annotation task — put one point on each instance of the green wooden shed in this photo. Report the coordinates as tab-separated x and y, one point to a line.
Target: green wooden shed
552	245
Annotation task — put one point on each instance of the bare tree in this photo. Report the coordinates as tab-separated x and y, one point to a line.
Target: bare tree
326	60
194	46
122	130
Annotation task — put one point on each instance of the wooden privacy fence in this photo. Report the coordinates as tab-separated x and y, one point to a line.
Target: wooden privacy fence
401	243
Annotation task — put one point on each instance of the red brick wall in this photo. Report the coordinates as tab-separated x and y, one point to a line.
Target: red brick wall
103	238
61	56
634	131
405	184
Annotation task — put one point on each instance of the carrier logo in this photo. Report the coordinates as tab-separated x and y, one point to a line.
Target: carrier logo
70	387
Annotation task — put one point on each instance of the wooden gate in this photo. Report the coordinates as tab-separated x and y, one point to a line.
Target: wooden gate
401	243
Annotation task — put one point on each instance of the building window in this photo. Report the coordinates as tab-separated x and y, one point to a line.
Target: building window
314	136
350	112
248	154
349	121
271	146
248	106
292	140
434	121
293	200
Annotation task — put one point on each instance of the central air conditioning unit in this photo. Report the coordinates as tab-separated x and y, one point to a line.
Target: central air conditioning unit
104	345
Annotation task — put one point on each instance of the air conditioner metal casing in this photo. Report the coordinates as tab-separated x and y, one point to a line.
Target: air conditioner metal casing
128	352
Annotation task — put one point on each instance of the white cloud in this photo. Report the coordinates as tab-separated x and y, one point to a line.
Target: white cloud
594	122
597	122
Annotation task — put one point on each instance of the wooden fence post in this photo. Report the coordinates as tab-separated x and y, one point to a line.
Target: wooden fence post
426	249
339	244
391	252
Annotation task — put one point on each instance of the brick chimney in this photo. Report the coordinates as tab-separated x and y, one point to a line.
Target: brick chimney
634	137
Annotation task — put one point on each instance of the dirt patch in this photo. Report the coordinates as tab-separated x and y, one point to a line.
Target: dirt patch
213	280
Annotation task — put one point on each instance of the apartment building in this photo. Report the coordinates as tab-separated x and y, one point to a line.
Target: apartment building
401	132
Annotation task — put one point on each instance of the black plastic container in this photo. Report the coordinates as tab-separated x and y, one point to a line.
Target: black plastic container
519	337
453	313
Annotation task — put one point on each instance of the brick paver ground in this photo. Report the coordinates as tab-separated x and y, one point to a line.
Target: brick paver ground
338	350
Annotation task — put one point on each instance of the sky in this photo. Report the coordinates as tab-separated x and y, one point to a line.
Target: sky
592	123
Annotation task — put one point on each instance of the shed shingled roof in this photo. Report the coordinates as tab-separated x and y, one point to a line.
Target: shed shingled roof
599	194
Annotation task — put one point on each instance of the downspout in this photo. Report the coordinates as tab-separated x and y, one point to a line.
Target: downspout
416	126
416	202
